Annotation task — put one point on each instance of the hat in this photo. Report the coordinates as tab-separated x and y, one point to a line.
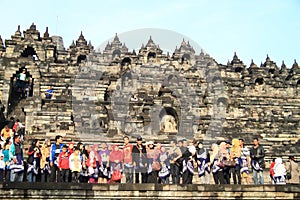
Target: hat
1	154
151	142
139	138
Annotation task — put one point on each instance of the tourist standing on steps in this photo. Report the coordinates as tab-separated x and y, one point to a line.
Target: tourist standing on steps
139	157
188	163
216	165
104	163
33	161
279	172
44	162
202	159
55	150
174	155
257	154
128	165
75	165
293	168
64	164
235	154
116	159
244	161
152	155
16	159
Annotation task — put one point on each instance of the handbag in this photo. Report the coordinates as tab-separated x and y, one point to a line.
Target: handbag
156	166
229	163
116	175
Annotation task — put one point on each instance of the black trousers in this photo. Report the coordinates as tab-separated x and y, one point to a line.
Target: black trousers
65	173
219	177
175	173
236	174
55	174
226	172
187	177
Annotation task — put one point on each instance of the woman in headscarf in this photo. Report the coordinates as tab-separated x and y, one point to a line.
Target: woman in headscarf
33	161
84	152
44	162
225	158
293	168
279	172
216	164
153	155
91	163
188	163
164	172
235	154
202	162
116	160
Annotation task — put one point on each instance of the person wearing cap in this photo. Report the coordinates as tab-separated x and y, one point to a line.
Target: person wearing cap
128	165
174	154
16	159
139	158
293	168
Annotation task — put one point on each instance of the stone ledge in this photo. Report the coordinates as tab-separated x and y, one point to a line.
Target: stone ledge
145	191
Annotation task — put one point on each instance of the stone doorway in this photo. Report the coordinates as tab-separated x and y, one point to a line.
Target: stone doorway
21	87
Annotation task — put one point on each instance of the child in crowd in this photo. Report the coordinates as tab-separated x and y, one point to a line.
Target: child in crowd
63	164
75	165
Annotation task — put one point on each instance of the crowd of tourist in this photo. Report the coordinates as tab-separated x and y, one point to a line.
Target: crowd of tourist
225	162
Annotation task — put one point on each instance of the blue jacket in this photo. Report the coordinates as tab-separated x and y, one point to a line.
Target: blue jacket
55	152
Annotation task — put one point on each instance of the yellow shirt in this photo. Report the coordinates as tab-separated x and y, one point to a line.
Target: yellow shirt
6	134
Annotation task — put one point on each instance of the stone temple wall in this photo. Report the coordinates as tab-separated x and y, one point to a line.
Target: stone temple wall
105	95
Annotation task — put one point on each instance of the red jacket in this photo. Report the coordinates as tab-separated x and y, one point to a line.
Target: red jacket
63	160
127	152
116	155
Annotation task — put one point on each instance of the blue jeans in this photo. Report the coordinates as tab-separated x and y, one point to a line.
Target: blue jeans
16	176
31	177
261	176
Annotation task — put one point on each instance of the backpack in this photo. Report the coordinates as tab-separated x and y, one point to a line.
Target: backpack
15	126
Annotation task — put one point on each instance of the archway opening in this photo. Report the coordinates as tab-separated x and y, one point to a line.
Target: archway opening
116	54
259	81
81	58
126	61
29	52
21	87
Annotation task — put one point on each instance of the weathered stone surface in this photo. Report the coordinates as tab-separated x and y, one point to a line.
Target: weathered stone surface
145	191
104	95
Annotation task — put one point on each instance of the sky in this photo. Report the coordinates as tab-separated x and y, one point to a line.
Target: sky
251	28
